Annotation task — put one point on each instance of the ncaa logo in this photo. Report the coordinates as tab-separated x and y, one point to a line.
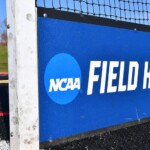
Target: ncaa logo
62	78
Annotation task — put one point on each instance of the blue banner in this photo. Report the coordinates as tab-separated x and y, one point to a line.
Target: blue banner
90	77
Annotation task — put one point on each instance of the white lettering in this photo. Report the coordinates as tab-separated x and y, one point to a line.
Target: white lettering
92	78
103	78
146	76
112	76
121	87
64	84
133	67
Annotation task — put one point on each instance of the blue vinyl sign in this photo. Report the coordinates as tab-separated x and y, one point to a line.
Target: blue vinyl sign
90	77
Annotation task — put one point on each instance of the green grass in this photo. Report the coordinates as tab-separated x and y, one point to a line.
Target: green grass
3	58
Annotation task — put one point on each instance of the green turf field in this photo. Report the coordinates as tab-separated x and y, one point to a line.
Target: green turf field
3	59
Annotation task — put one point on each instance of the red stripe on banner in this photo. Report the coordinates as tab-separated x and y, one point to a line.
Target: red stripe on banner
2	114
3	73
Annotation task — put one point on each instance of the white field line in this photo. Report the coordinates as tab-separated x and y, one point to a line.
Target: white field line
4	81
4	145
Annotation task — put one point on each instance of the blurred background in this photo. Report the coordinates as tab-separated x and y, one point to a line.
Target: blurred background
3	38
4	107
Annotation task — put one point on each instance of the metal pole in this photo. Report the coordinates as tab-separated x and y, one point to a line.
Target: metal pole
23	74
